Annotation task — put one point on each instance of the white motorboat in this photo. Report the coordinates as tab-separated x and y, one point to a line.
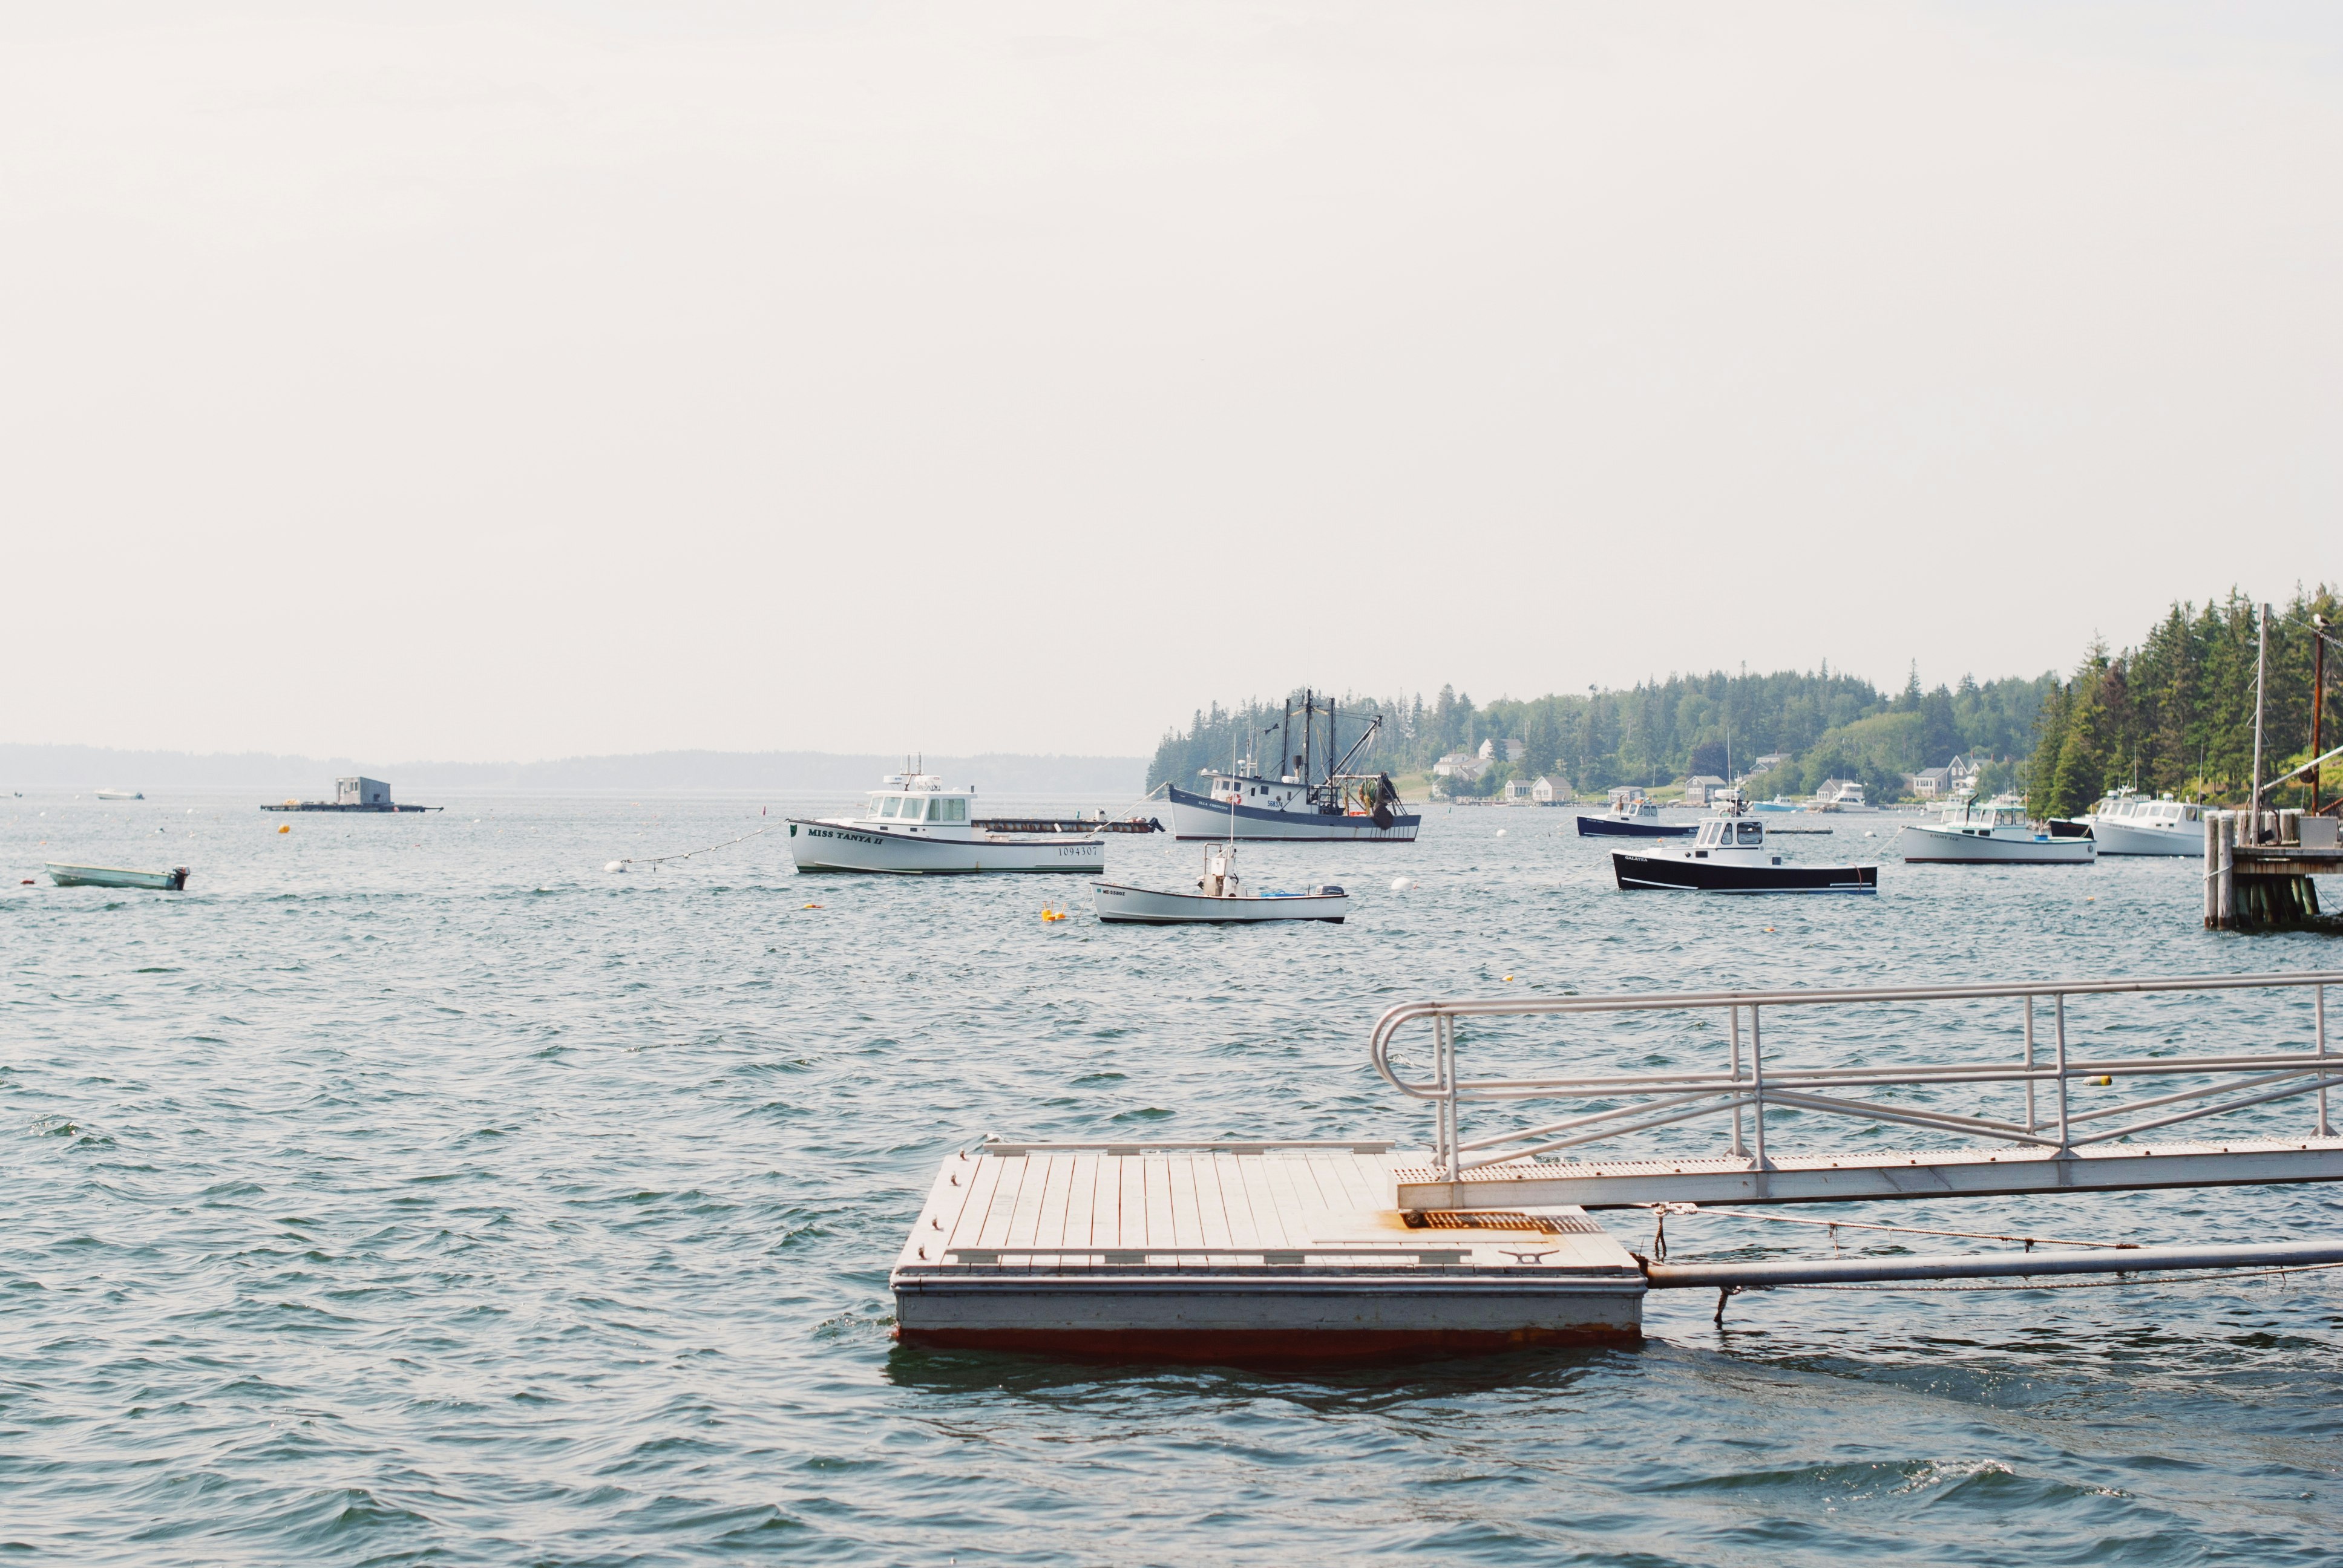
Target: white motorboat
914	826
2123	824
1997	833
1220	898
1840	795
120	795
171	882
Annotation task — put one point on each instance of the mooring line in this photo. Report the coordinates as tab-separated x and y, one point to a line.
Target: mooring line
688	854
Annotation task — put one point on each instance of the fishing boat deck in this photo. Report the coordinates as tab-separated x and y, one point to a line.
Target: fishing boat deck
1228	1249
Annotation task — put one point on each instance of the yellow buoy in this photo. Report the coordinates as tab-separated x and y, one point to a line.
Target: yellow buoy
1509	978
2103	1081
285	827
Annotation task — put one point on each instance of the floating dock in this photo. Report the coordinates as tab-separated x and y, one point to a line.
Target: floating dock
1240	1251
351	795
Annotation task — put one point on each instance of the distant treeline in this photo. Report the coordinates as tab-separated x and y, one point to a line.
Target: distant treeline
2176	712
1822	725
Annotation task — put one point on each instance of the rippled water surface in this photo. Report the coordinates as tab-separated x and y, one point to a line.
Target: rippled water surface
411	1189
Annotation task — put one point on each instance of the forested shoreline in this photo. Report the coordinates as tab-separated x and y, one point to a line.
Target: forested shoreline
2175	713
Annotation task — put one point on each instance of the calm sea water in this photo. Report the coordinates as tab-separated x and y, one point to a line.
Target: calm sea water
411	1190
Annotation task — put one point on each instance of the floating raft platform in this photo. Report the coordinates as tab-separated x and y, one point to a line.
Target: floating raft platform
1235	1252
338	805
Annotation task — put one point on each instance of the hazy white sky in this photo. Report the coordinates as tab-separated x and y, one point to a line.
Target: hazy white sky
501	381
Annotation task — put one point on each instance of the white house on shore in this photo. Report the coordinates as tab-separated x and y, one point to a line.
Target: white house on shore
1513	749
1458	765
1700	787
1553	789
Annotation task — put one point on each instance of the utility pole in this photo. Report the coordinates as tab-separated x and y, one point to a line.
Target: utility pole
2261	671
2318	701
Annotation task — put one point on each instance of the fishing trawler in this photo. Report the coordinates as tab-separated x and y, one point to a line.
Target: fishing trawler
915	826
1303	805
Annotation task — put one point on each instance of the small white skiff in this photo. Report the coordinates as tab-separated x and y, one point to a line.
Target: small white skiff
170	882
1220	898
916	827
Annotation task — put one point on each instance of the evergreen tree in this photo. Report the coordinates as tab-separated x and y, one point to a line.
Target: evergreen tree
2082	766
2042	777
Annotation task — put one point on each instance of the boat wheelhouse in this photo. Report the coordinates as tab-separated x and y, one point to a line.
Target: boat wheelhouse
915	825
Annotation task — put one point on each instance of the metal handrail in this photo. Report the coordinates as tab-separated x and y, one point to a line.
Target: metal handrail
1663	1098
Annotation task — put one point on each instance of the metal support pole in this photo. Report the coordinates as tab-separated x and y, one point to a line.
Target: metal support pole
2060	1002
1444	1040
2212	825
1739	1151
1758	1081
2318	1010
2031	1124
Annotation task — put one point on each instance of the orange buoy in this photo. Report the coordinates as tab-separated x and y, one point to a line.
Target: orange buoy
285	827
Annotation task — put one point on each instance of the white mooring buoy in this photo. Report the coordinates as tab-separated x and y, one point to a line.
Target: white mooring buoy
615	866
1402	884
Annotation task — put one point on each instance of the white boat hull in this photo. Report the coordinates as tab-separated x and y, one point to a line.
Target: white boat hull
1146	906
2119	837
1194	818
829	846
170	882
1926	845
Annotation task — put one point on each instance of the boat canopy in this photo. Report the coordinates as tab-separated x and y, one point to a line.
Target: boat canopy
918	797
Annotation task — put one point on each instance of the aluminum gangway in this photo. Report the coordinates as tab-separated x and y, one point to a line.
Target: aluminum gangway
2039	1135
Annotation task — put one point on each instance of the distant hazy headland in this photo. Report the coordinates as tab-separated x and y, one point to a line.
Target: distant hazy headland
312	778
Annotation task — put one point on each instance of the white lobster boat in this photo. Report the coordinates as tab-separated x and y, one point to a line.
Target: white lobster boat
914	826
1997	833
1220	898
2123	824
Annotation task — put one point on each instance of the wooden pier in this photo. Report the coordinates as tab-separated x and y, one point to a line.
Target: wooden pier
2260	880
